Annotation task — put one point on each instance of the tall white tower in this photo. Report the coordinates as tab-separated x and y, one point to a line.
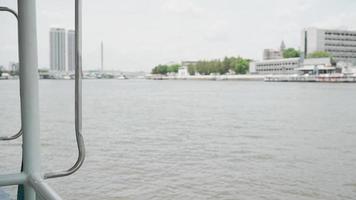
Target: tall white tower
71	50
57	37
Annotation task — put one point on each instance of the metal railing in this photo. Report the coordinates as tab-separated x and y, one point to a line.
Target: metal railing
78	97
31	178
19	133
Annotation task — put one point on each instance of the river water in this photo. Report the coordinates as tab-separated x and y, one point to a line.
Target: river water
194	139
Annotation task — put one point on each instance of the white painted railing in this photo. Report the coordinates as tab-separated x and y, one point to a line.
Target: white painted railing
31	177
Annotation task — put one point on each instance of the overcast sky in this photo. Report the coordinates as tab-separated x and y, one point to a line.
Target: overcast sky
139	34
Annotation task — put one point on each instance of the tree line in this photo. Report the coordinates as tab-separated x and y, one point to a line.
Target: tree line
237	65
293	53
164	69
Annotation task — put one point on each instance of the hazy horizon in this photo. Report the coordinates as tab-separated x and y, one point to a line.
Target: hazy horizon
138	35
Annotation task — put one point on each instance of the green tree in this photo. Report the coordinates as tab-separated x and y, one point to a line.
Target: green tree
206	67
173	68
164	69
241	65
160	69
319	54
291	53
191	69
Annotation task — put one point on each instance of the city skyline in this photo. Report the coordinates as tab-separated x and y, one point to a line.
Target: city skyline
139	37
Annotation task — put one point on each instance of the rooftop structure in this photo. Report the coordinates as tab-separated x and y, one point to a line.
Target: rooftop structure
271	54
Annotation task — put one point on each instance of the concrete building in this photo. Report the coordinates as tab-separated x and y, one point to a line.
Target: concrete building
293	66
183	70
341	44
271	54
276	66
57	43
346	67
71	50
317	66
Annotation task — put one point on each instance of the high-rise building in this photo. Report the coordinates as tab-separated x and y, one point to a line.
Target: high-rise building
341	44
57	41
71	50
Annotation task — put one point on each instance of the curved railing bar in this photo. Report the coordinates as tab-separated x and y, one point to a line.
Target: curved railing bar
78	97
19	133
6	9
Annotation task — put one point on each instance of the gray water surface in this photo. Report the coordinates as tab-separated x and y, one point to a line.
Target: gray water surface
194	139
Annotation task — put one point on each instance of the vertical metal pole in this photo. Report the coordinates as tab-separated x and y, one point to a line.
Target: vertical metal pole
29	90
78	71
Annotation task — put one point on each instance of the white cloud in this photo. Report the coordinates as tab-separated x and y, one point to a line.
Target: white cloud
182	7
341	21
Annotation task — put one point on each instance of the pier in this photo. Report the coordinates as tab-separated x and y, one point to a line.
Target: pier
330	78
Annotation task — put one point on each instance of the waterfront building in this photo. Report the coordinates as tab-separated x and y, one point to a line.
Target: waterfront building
293	66
183	70
341	44
57	37
276	66
317	66
346	67
71	50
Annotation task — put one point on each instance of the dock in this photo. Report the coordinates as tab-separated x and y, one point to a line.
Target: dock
329	78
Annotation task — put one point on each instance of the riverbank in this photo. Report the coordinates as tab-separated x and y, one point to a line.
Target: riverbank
330	78
208	77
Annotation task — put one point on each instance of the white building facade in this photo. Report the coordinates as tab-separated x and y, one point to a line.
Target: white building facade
277	66
341	44
317	66
71	50
292	66
57	37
